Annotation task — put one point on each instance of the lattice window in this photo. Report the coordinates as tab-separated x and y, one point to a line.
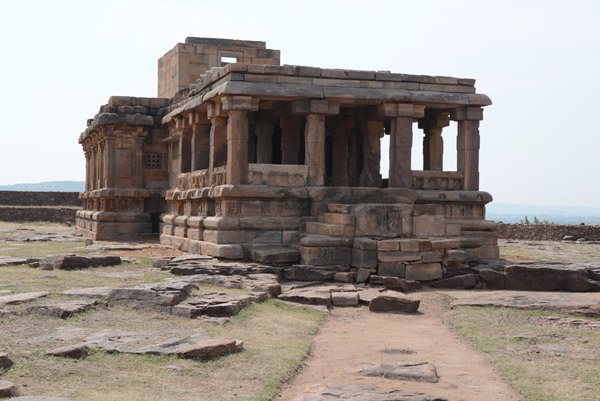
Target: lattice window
153	160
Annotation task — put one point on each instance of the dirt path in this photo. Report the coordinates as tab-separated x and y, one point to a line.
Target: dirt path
354	336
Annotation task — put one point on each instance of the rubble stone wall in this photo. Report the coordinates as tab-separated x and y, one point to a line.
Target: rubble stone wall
547	232
50	214
35	198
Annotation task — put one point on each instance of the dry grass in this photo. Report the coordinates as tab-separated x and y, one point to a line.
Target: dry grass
541	361
549	251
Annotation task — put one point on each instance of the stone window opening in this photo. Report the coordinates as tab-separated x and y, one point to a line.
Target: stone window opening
153	160
228	60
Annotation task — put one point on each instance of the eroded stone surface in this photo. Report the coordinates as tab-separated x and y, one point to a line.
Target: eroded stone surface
67	262
10	261
157	297
401	370
5	361
216	304
360	392
21	298
91	292
75	351
62	310
266	282
391	301
8	389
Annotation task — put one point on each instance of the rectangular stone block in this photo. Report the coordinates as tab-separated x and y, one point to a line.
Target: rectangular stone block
195	233
383	220
423	271
445	244
425	246
393	269
409	245
340	255
365	243
180	232
388	245
429	226
433	256
398	256
362	258
317	256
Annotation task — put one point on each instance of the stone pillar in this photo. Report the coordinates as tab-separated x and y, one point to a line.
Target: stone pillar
200	146
94	167
137	177
433	143
110	161
290	138
314	137
237	108
87	170
372	133
401	141
185	150
467	144
340	156
264	143
218	142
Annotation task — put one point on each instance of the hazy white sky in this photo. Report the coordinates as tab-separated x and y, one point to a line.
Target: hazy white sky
539	61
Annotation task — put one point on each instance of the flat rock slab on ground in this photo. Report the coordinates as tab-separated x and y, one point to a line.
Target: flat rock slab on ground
62	310
313	273
400	370
92	292
8	389
391	301
62	333
76	351
261	282
360	392
5	361
67	262
563	302
156	297
551	277
21	298
109	246
10	261
216	304
216	267
198	346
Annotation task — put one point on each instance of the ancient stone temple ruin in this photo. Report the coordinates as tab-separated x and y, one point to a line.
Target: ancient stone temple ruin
242	158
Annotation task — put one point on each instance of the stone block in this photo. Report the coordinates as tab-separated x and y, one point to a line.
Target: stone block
392	269
464	281
489	252
398	256
389	245
361	258
390	301
318	256
430	226
195	233
445	244
423	271
345	277
362	275
383	220
340	255
365	243
425	246
409	245
344	298
433	256
453	256
396	283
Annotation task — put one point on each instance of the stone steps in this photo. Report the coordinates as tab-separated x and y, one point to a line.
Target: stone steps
339	208
330	229
336	218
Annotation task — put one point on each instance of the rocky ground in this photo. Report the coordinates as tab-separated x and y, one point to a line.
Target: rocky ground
158	319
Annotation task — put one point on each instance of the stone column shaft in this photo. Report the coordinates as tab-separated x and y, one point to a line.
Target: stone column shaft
185	151
237	147
340	156
264	143
467	146
372	133
87	171
138	163
433	149
200	146
218	143
110	161
290	138
314	136
400	152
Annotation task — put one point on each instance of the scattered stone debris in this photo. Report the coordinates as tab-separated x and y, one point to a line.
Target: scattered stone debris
91	292
10	261
391	301
400	370
8	389
159	297
463	281
344	298
261	282
110	246
5	361
68	262
20	298
75	351
62	333
62	310
360	392
216	304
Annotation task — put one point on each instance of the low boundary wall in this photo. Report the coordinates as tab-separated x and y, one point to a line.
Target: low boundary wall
35	198
547	232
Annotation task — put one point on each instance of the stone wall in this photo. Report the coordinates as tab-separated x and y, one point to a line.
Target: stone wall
548	232
51	214
34	198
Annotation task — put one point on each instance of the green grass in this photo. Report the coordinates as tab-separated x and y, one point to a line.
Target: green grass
519	344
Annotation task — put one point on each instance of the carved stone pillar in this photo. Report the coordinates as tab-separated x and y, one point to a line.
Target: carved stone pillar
264	143
402	116
110	160
185	150
87	171
467	144
137	177
237	108
314	135
290	138
94	167
372	133
340	156
433	143
200	146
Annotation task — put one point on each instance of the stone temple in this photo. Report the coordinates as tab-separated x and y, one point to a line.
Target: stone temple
242	158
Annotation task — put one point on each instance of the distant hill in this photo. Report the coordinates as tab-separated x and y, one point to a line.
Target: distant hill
48	186
552	214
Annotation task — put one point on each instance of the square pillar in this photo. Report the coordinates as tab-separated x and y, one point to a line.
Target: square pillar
340	156
314	137
110	160
264	143
433	143
290	138
467	144
185	150
372	131
402	116
200	146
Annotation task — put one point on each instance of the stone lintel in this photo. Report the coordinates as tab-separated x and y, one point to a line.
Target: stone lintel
198	117
466	113
240	103
401	110
435	120
315	106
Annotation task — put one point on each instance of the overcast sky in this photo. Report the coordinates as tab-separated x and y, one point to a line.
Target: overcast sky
539	61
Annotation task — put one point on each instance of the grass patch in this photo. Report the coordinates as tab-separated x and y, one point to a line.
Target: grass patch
541	359
276	339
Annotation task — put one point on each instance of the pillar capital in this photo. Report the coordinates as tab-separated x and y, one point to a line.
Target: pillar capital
198	117
240	103
437	120
401	110
466	113
315	106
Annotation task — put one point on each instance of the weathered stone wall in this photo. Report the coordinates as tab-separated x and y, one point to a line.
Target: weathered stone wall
548	232
34	198
51	214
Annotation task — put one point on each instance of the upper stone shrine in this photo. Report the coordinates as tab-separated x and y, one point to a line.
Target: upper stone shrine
242	158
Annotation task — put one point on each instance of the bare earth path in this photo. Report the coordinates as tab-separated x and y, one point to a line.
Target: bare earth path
354	336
